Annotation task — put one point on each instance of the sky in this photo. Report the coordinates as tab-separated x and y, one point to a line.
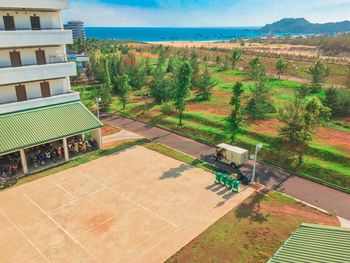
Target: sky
203	13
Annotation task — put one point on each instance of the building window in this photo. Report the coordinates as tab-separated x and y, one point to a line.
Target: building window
9	22
21	93
45	89
40	57
35	22
15	57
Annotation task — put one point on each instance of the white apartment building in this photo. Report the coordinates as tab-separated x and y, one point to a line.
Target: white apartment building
39	114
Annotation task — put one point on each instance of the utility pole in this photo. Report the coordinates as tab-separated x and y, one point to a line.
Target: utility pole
255	157
98	100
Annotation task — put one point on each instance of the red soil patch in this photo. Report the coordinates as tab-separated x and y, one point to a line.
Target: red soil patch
266	127
334	137
145	55
109	130
208	108
347	119
288	211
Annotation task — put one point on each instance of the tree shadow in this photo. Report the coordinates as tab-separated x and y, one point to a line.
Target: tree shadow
252	210
176	172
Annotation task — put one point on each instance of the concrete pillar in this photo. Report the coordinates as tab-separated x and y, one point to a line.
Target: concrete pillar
97	135
24	161
65	149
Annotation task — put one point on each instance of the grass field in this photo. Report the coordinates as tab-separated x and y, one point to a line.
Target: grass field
252	232
327	160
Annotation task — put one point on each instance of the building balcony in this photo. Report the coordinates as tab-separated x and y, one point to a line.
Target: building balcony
38	102
28	37
12	75
35	4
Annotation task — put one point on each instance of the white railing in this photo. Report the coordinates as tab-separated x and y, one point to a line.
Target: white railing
23	38
35	4
37	72
38	102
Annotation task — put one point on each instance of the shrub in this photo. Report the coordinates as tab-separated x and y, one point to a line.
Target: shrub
167	108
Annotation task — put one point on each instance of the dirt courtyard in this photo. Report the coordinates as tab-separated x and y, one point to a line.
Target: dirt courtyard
134	206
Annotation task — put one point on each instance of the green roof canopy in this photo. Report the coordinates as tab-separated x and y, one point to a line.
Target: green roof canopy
24	129
317	244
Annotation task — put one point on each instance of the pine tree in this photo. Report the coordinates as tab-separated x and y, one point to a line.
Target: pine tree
260	103
300	121
318	72
125	90
105	91
205	85
236	118
182	88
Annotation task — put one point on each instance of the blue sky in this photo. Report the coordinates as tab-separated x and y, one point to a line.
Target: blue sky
202	13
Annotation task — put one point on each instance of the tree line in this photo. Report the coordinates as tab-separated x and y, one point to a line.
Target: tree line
170	79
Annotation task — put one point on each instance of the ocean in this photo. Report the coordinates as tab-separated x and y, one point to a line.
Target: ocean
147	34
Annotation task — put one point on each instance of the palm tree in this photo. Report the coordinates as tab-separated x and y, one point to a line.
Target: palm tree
235	57
281	66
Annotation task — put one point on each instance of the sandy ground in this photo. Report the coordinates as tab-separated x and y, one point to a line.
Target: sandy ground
276	48
135	206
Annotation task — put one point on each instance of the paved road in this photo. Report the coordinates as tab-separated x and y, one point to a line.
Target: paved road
321	196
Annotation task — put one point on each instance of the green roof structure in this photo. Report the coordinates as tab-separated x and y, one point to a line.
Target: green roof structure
315	244
28	128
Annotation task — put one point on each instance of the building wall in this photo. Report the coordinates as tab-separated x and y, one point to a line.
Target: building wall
28	56
36	4
57	87
48	20
49	12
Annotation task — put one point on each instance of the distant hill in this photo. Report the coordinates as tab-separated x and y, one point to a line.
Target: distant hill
302	26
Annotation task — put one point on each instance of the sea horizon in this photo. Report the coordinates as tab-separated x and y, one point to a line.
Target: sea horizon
173	34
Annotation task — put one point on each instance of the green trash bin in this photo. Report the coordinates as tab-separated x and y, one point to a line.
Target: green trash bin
218	176
229	182
236	186
224	179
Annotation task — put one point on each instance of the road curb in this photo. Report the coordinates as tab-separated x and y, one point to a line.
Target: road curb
308	204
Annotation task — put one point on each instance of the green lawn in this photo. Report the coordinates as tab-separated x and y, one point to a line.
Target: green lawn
252	232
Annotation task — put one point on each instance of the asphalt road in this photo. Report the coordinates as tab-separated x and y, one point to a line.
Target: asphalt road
318	195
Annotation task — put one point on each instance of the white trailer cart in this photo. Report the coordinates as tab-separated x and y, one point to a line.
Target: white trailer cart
231	155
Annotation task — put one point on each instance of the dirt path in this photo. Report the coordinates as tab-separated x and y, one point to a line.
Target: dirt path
318	195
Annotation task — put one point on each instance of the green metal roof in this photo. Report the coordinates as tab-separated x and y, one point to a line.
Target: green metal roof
37	126
316	244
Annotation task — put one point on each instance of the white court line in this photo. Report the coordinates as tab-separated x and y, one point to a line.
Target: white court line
146	239
100	224
25	236
65	190
156	244
53	184
62	228
132	201
78	199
